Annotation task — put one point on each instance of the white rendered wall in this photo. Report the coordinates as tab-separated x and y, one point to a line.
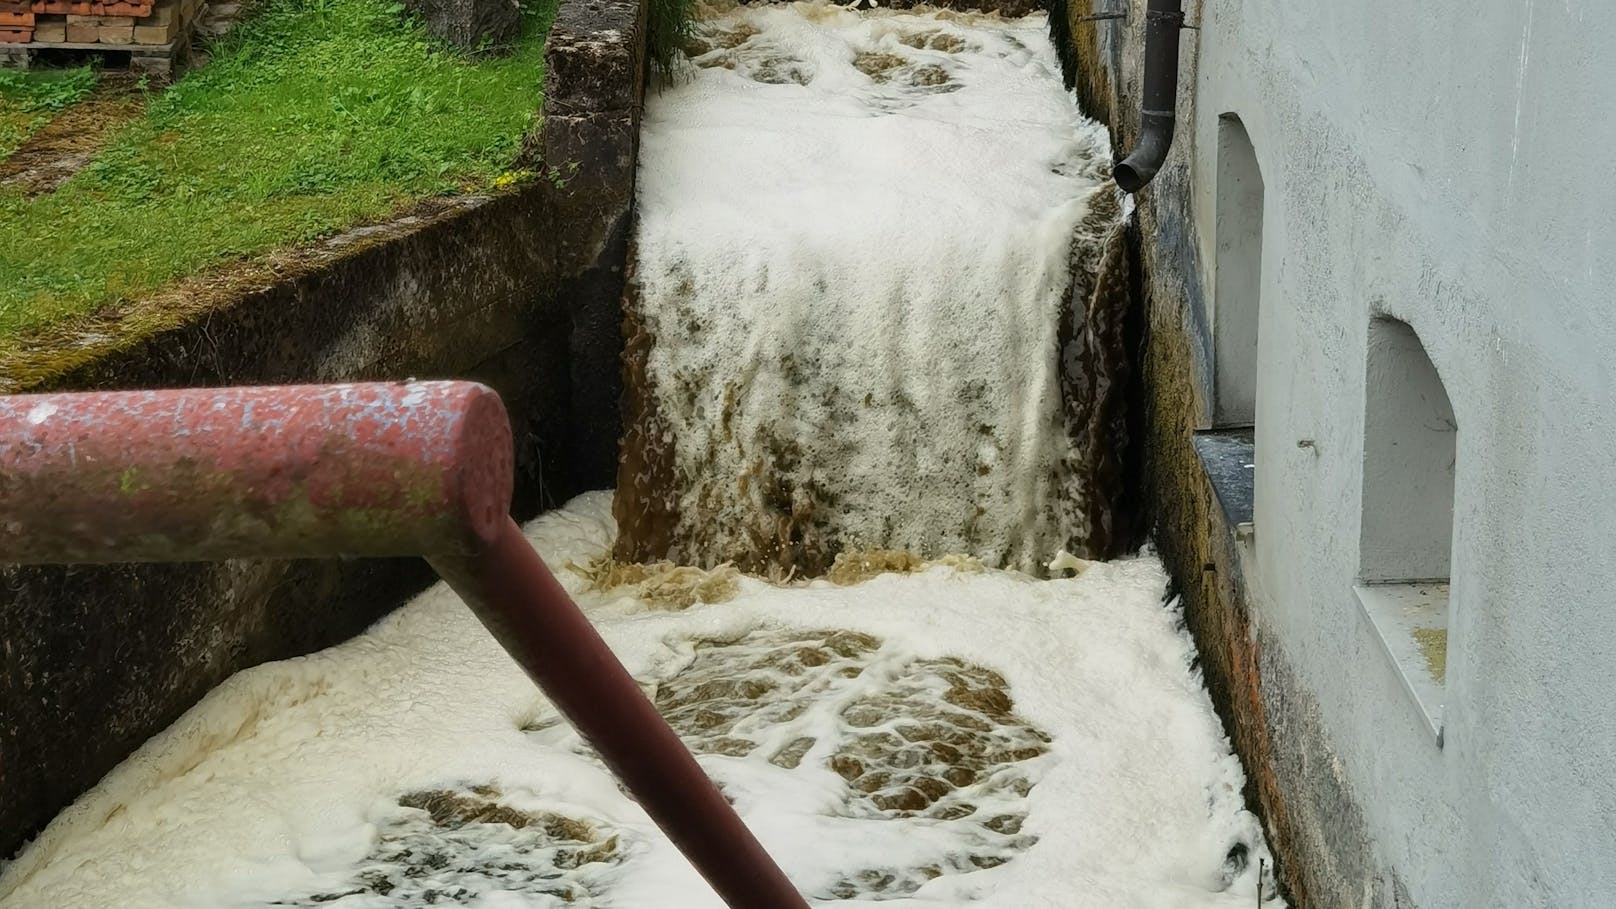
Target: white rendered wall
1447	164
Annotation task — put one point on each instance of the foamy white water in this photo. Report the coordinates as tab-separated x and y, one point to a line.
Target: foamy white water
415	765
856	233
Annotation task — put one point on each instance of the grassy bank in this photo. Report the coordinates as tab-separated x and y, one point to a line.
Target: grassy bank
311	117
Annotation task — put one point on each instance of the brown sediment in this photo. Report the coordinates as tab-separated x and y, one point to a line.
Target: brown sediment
646	503
779	70
662	584
939	41
458	852
782	541
851	567
878	66
1008	9
930	75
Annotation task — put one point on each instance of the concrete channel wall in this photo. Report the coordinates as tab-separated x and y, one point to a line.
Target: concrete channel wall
518	290
1432	180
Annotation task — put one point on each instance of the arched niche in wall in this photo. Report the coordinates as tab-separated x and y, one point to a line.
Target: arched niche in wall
1238	278
1410	462
1410	458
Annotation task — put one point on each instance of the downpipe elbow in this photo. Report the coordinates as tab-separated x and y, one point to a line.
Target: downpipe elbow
1159	97
1155	139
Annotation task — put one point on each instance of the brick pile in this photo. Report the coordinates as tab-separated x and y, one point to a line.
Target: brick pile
126	23
16	21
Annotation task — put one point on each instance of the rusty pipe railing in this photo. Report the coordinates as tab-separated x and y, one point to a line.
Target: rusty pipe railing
358	470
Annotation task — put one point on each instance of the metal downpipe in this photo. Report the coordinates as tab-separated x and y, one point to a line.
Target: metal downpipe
1163	20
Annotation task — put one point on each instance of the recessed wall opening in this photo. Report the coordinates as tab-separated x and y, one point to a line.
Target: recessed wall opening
1238	281
1228	450
1406	544
1410	453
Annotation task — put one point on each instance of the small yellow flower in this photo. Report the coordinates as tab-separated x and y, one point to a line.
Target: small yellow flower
511	178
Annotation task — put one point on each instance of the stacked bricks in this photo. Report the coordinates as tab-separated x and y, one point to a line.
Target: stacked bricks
153	36
120	22
16	21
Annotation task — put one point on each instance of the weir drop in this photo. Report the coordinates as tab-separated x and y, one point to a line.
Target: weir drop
865	258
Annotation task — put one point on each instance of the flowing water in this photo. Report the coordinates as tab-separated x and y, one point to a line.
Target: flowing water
949	736
870	335
857	241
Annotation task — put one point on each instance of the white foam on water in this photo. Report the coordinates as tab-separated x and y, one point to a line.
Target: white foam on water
283	786
856	232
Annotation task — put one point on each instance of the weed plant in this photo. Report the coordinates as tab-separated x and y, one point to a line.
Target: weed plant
671	23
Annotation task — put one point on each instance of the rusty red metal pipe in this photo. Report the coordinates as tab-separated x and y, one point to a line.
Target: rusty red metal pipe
371	470
279	472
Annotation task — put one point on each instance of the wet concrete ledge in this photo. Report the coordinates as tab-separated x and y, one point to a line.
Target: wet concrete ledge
1227	458
519	290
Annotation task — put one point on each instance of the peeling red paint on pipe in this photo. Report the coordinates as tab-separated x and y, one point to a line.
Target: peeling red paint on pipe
275	472
374	469
526	609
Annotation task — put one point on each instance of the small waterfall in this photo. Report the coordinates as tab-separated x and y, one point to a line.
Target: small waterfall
861	313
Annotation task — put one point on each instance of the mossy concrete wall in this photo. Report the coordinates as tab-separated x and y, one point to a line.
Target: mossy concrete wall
518	290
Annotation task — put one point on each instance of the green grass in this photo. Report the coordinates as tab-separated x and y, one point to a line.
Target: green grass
311	117
29	99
